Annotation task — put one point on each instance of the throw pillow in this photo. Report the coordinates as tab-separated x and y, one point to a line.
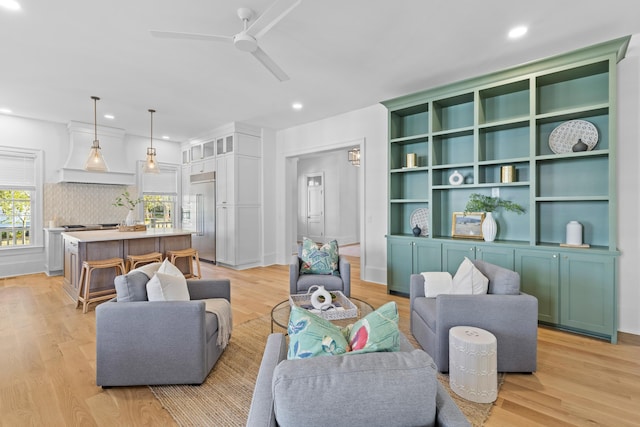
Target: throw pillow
166	287
149	269
131	286
311	335
319	260
436	283
167	268
377	331
469	280
502	281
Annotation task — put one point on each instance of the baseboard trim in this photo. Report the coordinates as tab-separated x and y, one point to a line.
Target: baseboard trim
629	339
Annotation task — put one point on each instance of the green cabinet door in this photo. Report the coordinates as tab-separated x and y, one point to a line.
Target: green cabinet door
454	253
587	294
427	256
399	264
539	276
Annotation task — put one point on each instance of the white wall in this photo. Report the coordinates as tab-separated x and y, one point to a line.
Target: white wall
368	125
628	188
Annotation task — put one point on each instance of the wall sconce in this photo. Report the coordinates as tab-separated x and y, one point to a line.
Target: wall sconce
354	156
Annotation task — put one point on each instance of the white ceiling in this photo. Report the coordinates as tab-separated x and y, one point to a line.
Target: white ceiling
340	55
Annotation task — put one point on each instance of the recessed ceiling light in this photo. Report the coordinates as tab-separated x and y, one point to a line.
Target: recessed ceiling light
517	32
166	137
296	106
5	111
10	4
109	116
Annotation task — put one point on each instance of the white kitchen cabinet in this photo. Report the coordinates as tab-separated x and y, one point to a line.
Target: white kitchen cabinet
54	251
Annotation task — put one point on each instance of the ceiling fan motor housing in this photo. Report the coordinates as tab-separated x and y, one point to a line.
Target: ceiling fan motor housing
245	42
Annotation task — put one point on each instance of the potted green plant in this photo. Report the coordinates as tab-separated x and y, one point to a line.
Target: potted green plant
481	203
126	201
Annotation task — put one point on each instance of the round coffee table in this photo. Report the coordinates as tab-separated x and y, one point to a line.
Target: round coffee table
280	313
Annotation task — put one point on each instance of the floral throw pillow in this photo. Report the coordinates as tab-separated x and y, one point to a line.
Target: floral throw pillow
319	260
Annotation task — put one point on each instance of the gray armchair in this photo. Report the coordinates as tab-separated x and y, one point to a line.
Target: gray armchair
512	318
387	388
152	343
300	283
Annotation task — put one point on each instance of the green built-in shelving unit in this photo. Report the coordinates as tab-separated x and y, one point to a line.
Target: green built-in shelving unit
478	125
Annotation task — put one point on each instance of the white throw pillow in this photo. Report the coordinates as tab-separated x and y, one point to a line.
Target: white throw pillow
436	283
166	287
167	268
469	280
149	269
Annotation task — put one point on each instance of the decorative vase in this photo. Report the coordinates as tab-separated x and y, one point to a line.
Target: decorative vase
489	227
579	146
131	219
416	230
574	233
316	302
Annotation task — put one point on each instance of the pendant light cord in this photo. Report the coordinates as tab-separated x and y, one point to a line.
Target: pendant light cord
95	117
152	111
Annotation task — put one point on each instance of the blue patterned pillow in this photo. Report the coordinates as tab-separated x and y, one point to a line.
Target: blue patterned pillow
319	260
377	331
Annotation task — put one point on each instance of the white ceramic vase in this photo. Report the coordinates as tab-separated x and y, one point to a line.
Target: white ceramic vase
315	297
131	219
489	227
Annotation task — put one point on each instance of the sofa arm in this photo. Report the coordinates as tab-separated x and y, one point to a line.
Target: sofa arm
294	274
448	413
261	412
416	288
134	339
207	288
345	273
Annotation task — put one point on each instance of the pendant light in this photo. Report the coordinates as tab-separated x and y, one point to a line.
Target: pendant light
95	162
354	156
151	166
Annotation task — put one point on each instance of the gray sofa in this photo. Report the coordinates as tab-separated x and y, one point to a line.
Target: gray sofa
507	313
300	283
390	388
152	343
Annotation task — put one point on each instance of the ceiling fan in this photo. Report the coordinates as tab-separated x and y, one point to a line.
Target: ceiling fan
247	39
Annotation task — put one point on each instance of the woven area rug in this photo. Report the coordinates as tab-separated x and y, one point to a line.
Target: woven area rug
224	398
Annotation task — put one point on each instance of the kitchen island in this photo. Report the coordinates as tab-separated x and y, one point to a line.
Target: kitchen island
80	246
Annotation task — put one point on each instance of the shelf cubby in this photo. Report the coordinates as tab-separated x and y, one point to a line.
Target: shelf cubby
504	142
400	216
452	113
453	148
579	177
409	184
441	175
573	87
553	217
504	102
544	127
409	121
490	173
398	152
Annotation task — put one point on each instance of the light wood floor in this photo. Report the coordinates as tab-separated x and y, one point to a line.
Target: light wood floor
47	362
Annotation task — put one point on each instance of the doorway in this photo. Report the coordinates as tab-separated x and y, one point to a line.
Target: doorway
315	206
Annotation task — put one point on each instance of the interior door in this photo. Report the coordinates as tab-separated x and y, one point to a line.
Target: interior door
315	206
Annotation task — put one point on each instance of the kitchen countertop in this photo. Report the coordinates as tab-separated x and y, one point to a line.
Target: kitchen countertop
106	235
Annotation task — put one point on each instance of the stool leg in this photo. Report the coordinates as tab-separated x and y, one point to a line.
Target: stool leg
80	287
85	303
198	265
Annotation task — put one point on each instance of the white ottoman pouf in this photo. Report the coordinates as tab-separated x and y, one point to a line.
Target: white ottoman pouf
473	364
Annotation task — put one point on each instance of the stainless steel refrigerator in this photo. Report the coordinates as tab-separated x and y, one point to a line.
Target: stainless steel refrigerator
199	214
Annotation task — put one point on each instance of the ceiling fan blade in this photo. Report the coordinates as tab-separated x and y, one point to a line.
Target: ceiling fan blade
271	17
270	65
191	36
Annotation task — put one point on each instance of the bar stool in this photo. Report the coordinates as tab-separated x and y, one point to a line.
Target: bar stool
85	296
134	260
188	253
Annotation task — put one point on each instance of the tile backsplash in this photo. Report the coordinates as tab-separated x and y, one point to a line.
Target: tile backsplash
68	203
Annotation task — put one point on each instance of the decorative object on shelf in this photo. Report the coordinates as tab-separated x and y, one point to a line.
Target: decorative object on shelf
135	227
151	166
420	218
320	298
125	200
416	231
507	174
467	225
354	156
456	178
481	203
95	162
411	160
574	236
563	138
489	228
579	146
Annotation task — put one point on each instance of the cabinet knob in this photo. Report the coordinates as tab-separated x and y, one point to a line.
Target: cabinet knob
555	255
471	249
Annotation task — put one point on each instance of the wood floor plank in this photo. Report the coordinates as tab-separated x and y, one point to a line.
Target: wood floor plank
47	355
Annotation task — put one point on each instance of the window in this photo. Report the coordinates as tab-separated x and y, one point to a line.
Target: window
159	195
20	197
158	210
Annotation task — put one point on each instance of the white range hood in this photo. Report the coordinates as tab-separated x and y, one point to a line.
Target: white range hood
81	136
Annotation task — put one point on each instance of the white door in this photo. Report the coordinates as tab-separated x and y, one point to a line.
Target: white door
315	206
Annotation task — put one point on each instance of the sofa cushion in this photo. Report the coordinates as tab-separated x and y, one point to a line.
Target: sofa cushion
469	279
426	309
166	287
358	390
131	286
330	283
319	260
502	281
311	335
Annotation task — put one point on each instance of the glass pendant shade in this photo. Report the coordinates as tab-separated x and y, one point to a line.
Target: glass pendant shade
354	156
95	162
150	165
